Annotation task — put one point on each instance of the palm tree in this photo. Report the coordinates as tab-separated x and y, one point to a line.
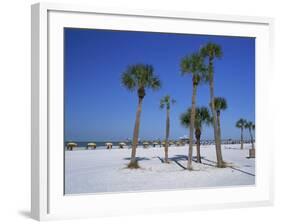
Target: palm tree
166	102
251	126
220	105
241	124
202	116
138	78
211	51
193	65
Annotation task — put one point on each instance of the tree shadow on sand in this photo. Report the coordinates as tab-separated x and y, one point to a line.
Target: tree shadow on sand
137	158
177	159
183	158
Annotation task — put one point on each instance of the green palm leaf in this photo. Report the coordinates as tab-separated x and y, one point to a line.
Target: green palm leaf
202	116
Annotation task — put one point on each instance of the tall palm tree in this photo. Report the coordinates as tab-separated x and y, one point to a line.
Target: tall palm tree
193	65
211	51
220	105
138	78
202	116
251	126
241	124
166	102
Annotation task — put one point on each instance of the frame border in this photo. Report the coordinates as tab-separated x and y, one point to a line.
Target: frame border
40	88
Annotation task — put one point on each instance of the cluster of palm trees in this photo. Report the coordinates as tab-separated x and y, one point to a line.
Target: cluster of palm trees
244	124
200	66
203	117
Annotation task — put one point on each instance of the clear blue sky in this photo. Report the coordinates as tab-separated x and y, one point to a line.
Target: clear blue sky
97	107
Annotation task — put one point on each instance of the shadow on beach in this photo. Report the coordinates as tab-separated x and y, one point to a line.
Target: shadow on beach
137	158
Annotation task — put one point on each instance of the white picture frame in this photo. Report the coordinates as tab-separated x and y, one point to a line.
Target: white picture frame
48	201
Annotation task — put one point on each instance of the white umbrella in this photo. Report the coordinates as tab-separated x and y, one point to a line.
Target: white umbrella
71	145
121	145
91	145
108	145
155	143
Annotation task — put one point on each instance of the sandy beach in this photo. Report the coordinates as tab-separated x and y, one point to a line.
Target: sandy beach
97	171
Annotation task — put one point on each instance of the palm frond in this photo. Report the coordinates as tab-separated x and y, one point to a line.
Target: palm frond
154	83
241	123
211	50
202	117
220	103
140	76
250	125
185	118
167	101
185	65
194	65
128	80
162	103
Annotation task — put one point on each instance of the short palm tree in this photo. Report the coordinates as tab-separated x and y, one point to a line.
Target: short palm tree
241	124
166	102
138	78
193	65
202	116
251	126
211	51
220	105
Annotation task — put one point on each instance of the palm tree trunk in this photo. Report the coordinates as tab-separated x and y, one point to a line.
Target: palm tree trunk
136	132
167	135
219	128
198	137
242	140
214	115
191	128
252	140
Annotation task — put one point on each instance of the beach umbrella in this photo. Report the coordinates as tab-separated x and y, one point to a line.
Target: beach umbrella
155	143
108	145
121	145
71	145
145	144
182	143
91	145
163	143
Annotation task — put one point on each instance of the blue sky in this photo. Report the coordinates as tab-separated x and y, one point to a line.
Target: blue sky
98	107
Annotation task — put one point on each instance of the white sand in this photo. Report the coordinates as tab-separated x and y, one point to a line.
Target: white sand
93	171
